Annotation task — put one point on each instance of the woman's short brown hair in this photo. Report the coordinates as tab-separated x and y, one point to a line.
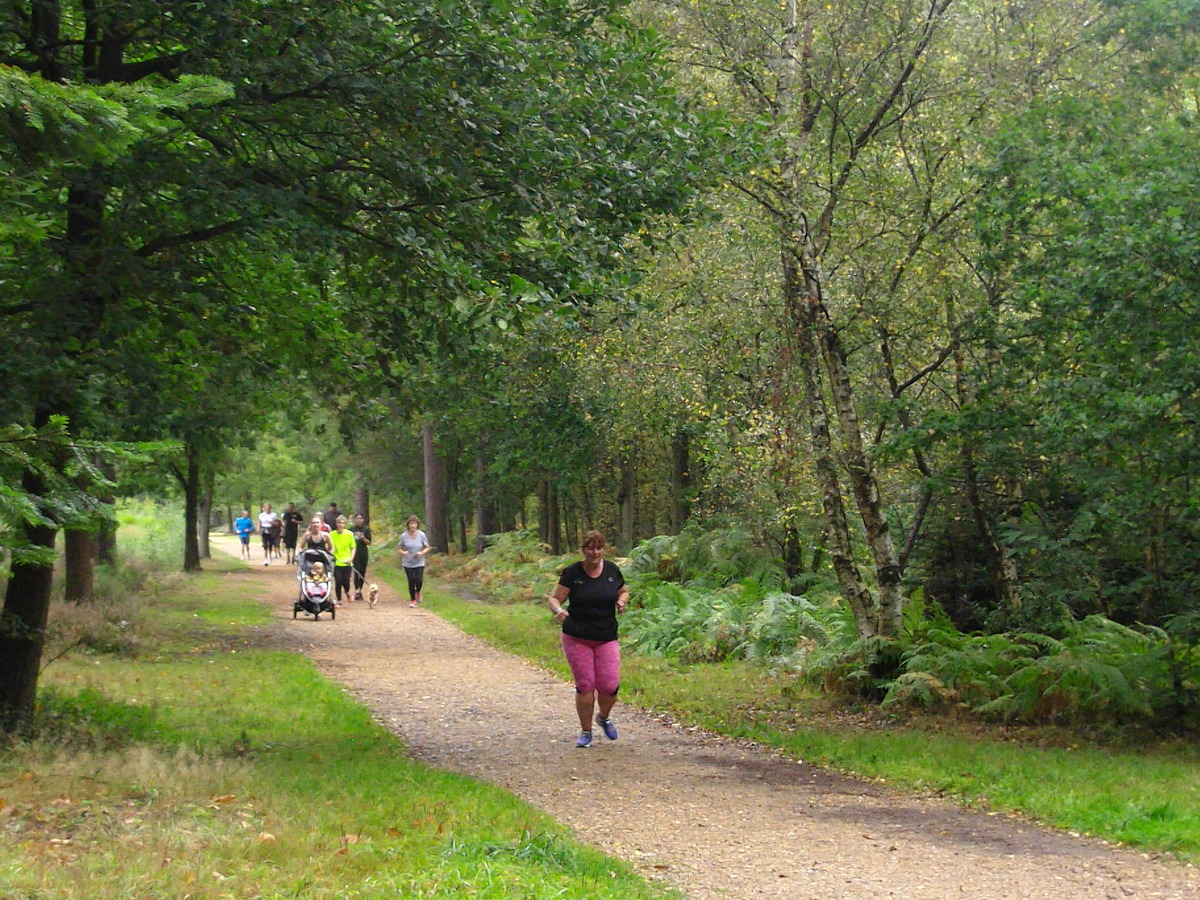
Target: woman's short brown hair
593	539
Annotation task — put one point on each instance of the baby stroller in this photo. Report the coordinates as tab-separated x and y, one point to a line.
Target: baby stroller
314	597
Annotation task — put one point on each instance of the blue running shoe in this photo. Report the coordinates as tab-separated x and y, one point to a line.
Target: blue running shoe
609	726
585	740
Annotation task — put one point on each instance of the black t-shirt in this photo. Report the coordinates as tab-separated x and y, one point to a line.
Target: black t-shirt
360	548
291	524
592	602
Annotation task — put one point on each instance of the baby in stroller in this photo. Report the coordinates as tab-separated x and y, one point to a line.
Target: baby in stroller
316	585
312	573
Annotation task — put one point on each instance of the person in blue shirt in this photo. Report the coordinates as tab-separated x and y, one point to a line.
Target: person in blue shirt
244	526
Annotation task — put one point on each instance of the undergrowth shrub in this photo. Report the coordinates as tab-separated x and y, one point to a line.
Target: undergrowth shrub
514	567
710	597
713	558
101	626
741	621
109	622
1182	708
1099	671
847	664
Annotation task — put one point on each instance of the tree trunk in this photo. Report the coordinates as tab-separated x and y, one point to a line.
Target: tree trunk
587	514
437	517
863	483
79	554
106	543
106	533
205	515
803	312
553	525
570	521
625	501
485	503
792	551
23	624
191	506
1003	566
544	511
806	229
362	499
681	479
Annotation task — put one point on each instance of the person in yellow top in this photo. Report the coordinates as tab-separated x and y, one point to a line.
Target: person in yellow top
343	559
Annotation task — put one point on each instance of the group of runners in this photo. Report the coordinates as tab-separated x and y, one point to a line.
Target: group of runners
278	532
585	603
347	544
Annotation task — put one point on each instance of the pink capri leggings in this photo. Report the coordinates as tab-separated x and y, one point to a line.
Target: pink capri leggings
595	665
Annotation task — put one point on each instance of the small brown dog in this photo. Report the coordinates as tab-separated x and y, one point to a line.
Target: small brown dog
373	596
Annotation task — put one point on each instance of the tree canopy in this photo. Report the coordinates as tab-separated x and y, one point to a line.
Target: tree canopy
904	293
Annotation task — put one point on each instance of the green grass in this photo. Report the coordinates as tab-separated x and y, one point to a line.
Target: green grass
1148	798
196	764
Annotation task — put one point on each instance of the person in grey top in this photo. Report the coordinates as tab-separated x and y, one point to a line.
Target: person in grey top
414	546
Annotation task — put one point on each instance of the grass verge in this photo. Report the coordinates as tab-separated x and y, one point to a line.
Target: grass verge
1147	798
194	763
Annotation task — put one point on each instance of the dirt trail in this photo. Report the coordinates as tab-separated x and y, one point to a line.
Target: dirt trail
708	816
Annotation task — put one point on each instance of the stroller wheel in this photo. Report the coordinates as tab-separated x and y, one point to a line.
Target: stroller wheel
295	612
333	612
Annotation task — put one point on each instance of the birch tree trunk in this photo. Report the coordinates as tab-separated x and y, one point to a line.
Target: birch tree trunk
864	485
806	220
841	550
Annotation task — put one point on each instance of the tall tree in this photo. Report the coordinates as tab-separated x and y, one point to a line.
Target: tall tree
1092	226
437	150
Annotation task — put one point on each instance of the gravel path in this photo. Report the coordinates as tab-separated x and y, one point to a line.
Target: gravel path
710	817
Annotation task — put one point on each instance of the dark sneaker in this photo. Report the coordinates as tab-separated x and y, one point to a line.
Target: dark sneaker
585	740
609	726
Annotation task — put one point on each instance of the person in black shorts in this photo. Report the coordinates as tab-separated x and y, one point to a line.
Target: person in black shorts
267	520
291	530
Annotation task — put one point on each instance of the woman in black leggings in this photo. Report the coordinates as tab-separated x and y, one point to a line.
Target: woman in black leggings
362	535
414	545
343	559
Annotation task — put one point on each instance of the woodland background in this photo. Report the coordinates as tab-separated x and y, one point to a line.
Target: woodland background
886	309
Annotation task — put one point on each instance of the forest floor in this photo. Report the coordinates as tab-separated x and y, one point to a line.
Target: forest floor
710	817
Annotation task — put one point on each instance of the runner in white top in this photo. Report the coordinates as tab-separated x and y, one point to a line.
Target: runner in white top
266	524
